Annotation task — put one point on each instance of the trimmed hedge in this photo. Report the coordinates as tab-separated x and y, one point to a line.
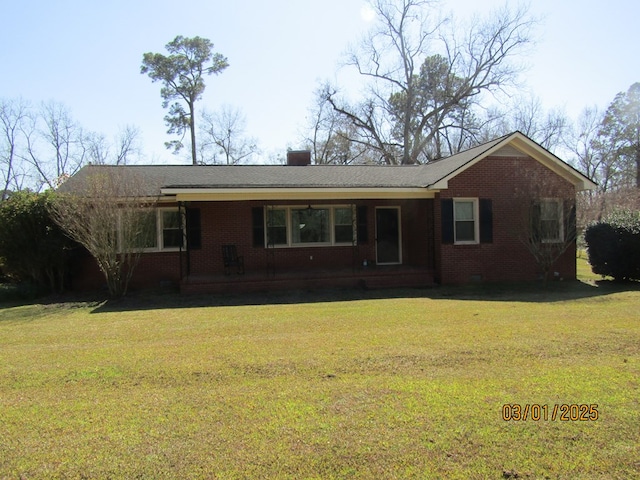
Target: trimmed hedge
614	246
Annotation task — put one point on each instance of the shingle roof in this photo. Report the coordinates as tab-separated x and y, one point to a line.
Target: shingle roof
157	177
154	178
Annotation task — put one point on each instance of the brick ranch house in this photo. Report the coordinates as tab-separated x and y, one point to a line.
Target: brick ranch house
452	221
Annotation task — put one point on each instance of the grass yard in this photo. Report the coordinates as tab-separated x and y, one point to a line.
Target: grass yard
408	386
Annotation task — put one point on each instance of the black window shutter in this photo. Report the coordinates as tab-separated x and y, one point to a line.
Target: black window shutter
194	236
361	220
447	220
486	220
257	214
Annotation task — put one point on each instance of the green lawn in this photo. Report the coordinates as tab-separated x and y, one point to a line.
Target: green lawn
408	386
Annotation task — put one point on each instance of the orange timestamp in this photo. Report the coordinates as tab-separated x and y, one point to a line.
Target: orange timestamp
565	412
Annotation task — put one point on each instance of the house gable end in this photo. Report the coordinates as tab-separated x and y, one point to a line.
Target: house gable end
517	145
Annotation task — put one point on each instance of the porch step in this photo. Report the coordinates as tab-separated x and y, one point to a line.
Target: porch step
373	278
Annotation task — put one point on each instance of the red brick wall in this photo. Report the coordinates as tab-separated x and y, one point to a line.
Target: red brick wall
509	182
231	223
155	269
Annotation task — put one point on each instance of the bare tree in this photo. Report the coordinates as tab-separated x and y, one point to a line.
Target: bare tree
600	154
548	128
41	147
524	113
107	213
582	142
12	115
124	148
55	145
422	74
330	136
224	139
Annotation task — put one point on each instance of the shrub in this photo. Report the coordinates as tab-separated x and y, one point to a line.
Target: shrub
32	247
614	245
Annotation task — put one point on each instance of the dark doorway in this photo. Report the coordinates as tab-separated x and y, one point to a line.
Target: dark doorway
388	235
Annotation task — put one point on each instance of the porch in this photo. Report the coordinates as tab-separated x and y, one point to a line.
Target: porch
372	277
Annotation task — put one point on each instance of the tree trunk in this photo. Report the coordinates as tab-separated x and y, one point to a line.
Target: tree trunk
192	130
638	167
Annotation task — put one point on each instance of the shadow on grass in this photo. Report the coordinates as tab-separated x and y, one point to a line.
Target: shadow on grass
167	298
528	292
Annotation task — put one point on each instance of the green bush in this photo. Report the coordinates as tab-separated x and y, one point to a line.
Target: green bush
32	247
614	245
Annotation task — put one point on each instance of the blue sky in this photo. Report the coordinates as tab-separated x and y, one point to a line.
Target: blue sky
87	54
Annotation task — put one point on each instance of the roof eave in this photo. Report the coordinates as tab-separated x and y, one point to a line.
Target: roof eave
296	193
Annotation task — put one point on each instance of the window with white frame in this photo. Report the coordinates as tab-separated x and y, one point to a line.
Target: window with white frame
160	229
465	217
548	216
343	231
277	227
309	226
172	229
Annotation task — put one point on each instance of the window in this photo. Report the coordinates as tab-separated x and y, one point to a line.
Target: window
146	233
466	221
305	226
548	218
343	225
171	229
310	225
465	214
277	227
161	229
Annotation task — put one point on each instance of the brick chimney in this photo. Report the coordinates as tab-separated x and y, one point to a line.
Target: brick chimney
298	158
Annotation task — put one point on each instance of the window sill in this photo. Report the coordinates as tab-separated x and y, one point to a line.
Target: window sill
311	245
164	250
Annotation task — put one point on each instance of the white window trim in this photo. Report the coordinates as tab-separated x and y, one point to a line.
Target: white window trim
289	226
159	225
159	229
560	204
354	226
476	222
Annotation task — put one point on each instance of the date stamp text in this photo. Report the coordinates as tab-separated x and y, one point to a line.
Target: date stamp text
535	412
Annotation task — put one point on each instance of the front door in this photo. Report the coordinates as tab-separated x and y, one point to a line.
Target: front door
388	236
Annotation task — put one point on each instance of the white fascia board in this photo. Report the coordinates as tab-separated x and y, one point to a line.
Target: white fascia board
441	184
147	199
240	194
527	146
